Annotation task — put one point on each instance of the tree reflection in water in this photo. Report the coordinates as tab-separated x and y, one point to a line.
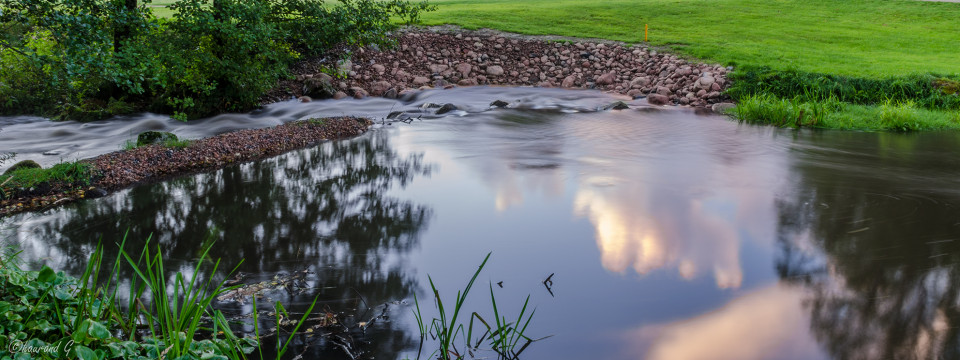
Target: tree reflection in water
880	256
324	209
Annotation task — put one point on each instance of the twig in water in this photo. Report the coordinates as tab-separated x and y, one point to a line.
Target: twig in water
548	284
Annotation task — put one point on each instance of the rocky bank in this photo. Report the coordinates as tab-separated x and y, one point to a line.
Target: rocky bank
432	58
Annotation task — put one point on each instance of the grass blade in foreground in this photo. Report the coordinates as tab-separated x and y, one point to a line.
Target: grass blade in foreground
445	328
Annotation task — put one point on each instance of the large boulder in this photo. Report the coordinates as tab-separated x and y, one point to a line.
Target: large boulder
464	69
657	99
420	80
23	164
467	82
380	87
320	86
722	108
607	79
706	82
359	92
639	82
494	70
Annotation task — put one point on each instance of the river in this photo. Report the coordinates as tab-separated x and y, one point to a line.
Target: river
669	233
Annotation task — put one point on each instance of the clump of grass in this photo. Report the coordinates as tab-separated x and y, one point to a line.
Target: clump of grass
768	109
176	318
39	180
81	317
174	143
900	116
129	145
67	173
177	143
928	91
507	335
445	329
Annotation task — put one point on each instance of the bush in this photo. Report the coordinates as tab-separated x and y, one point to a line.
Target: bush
89	59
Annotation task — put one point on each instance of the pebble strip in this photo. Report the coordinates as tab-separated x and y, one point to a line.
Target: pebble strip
121	169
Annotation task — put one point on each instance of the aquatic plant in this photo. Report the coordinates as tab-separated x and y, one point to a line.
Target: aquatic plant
82	317
503	337
175	318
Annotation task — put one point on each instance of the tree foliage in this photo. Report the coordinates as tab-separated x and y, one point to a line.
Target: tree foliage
88	59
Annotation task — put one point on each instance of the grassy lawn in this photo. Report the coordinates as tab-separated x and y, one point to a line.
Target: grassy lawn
871	38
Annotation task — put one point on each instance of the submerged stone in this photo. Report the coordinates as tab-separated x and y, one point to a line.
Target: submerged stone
619	105
446	108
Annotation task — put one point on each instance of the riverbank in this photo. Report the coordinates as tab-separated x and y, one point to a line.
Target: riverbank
449	56
445	57
151	163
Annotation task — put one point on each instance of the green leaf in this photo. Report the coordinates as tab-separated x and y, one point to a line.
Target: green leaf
62	294
84	353
46	275
12	316
97	330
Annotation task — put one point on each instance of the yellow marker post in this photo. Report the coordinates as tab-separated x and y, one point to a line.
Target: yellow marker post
646	30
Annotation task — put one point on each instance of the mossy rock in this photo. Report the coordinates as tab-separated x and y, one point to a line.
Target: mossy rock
154	137
948	86
24	164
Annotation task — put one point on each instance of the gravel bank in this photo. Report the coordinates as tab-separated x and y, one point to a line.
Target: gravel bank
153	163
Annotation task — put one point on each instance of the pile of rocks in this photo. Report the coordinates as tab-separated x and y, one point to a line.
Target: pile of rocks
424	59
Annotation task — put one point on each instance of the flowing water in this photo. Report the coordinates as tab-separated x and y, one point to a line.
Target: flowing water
669	234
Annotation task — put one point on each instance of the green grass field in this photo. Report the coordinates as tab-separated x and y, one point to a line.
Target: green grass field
871	39
854	37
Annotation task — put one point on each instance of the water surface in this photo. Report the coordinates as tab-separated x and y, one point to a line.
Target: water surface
670	234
